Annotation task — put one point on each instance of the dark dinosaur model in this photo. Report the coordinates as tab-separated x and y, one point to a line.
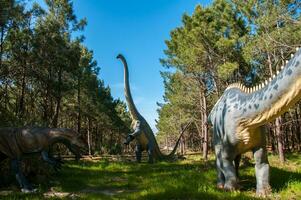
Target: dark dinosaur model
142	131
238	120
18	142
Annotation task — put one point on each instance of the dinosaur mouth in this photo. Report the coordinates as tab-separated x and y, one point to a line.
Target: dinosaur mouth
128	139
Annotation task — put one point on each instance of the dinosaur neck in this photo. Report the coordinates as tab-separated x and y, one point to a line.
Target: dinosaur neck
64	136
59	135
132	108
276	97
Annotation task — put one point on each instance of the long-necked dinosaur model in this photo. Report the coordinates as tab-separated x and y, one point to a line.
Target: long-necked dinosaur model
238	118
142	131
17	142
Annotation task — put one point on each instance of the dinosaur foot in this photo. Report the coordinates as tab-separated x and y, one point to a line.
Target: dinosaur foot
232	187
28	191
263	192
220	186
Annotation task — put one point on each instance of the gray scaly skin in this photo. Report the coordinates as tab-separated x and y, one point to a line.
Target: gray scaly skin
238	120
142	131
18	142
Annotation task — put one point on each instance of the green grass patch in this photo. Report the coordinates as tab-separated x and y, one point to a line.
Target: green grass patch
186	179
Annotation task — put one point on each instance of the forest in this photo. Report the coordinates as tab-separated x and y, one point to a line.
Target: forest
49	78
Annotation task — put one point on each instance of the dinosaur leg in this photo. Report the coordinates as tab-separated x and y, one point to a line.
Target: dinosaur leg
2	157
262	171
230	174
226	157
138	152
56	163
219	167
150	154
236	163
24	184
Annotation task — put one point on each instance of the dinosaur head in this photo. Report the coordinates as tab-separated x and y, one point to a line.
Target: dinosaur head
70	138
130	137
119	56
77	146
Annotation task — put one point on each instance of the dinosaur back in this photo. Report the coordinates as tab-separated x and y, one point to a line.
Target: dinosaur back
30	140
8	143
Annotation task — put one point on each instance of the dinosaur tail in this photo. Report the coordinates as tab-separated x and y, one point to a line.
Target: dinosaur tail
172	153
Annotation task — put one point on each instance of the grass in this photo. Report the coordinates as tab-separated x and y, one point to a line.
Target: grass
187	179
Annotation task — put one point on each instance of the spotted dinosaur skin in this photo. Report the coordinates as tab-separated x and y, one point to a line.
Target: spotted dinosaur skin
238	120
15	143
143	133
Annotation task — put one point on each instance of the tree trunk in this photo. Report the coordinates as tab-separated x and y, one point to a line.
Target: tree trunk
78	105
204	127
278	133
166	143
280	139
46	107
270	65
22	96
101	141
58	99
297	125
89	137
182	145
200	134
1	44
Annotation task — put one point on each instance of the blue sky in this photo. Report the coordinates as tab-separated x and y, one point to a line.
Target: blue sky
137	29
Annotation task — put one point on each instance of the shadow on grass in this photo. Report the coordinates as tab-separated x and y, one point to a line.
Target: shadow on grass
144	181
130	175
174	194
293	156
279	178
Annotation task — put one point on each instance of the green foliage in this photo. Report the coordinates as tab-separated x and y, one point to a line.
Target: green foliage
273	33
49	78
5	10
226	69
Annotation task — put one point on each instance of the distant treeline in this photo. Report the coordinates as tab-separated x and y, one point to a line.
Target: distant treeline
225	42
49	78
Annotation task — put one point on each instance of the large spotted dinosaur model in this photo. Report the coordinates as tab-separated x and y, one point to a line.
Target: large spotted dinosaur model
238	118
143	133
15	143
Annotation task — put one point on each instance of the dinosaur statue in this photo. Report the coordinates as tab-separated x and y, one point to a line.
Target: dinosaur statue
238	120
142	131
16	143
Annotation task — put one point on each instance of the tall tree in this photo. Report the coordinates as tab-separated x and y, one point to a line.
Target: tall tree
205	52
275	35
